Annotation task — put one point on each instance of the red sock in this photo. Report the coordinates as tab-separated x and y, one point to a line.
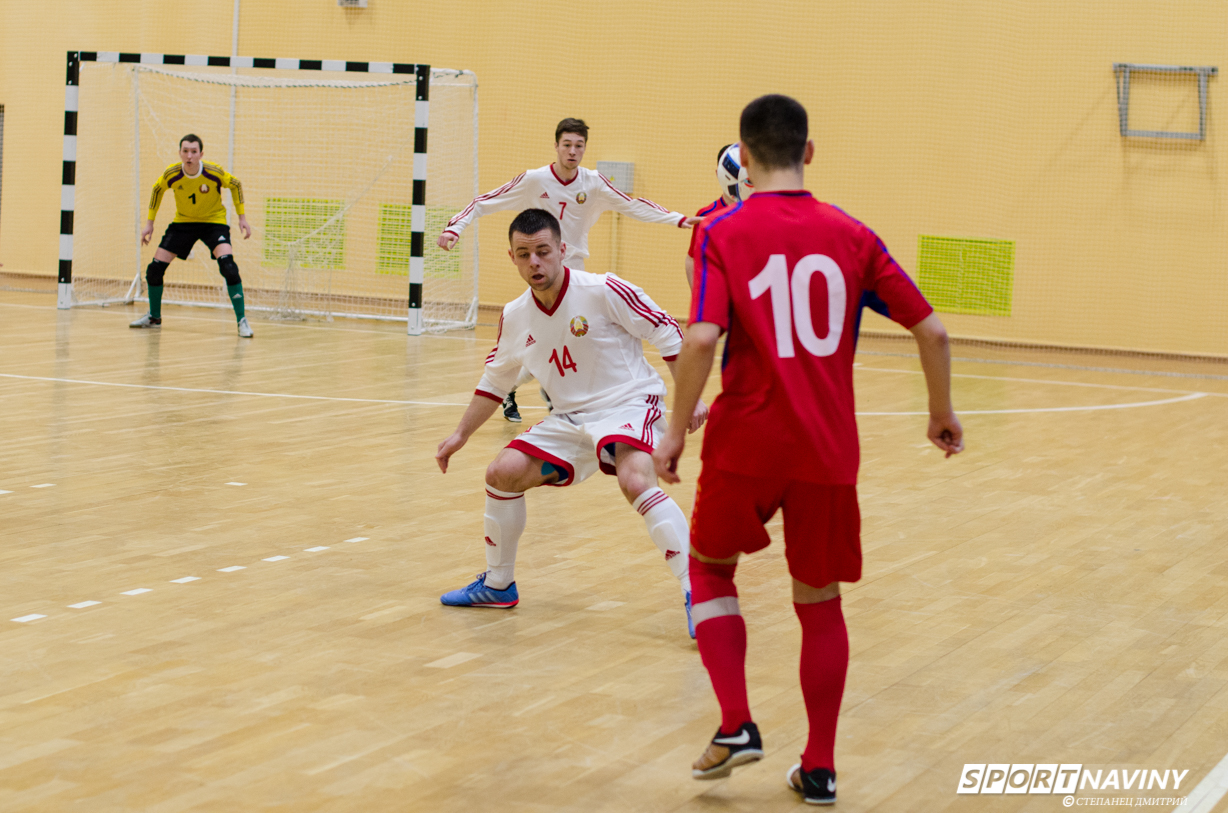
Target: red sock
825	661
722	642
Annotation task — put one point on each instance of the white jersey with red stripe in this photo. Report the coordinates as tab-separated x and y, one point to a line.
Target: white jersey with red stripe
587	351
577	204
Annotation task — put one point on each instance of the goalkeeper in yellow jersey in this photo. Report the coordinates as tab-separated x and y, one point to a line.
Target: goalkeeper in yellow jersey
199	215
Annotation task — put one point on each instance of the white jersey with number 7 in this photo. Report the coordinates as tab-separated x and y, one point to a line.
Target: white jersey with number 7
587	351
576	203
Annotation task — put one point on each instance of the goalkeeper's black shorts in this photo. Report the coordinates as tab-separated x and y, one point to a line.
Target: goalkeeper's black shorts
180	237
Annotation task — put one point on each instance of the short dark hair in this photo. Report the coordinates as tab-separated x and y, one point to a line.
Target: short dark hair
531	221
721	152
570	125
775	128
193	137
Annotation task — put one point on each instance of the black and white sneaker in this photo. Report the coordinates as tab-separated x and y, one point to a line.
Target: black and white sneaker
510	411
818	787
728	751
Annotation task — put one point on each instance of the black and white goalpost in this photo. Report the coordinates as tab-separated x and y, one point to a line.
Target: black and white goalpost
413	218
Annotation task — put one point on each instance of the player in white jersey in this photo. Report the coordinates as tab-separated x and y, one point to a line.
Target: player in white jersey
581	335
575	195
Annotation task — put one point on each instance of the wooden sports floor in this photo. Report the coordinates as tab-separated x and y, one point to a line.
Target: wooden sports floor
1056	594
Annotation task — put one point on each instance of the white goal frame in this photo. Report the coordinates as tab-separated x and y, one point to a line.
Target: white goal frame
422	74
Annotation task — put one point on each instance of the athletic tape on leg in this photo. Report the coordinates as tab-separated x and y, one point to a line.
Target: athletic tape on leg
715	608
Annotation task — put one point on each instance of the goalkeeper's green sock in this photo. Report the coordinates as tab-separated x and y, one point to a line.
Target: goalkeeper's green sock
155	301
235	292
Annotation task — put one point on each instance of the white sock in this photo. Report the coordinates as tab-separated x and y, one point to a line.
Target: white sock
668	529
504	523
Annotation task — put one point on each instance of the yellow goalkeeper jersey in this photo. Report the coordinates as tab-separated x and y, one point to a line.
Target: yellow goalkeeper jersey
197	199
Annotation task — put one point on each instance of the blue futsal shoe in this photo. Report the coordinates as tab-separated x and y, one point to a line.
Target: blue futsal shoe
690	622
479	595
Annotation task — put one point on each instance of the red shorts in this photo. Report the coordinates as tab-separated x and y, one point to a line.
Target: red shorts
822	523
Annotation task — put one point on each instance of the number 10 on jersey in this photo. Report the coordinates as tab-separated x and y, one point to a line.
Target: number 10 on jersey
775	279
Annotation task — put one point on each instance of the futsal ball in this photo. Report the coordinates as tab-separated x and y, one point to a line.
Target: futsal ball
731	175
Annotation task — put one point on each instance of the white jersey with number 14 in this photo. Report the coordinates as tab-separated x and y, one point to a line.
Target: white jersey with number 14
587	351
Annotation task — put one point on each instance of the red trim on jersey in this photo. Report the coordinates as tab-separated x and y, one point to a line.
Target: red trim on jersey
531	450
560	180
668	358
488	196
617	191
682	222
498	338
657	318
559	300
489	395
497	497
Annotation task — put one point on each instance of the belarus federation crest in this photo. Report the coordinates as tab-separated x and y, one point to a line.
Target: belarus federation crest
579	325
204	188
581	197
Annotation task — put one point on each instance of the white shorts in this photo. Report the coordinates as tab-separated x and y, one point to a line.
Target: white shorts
581	443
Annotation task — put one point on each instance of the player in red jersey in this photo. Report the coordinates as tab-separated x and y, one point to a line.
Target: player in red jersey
731	177
786	276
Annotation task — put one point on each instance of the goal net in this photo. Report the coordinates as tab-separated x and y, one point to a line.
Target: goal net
327	171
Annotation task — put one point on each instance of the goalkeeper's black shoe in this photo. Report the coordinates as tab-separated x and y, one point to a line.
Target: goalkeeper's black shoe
818	787
510	411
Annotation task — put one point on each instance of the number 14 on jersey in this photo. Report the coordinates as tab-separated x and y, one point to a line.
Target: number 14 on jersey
565	363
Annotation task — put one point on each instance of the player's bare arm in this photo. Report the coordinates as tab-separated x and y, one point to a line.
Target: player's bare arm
477	413
700	413
944	430
690	370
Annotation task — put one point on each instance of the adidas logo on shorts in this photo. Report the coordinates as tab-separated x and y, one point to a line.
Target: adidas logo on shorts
627	426
670	554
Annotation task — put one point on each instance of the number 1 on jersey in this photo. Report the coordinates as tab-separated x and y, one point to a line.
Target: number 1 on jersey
566	363
774	278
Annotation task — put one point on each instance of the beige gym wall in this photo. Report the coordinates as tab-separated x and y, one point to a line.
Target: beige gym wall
960	119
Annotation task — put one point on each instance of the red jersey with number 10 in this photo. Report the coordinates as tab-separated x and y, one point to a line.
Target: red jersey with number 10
787	277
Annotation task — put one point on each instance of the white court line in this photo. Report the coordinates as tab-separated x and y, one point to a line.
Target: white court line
83	604
1037	381
231	569
316	548
275	558
136	592
185	580
6	492
1207	793
236	484
25	619
44	485
1188	397
358	539
238	392
1093	408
